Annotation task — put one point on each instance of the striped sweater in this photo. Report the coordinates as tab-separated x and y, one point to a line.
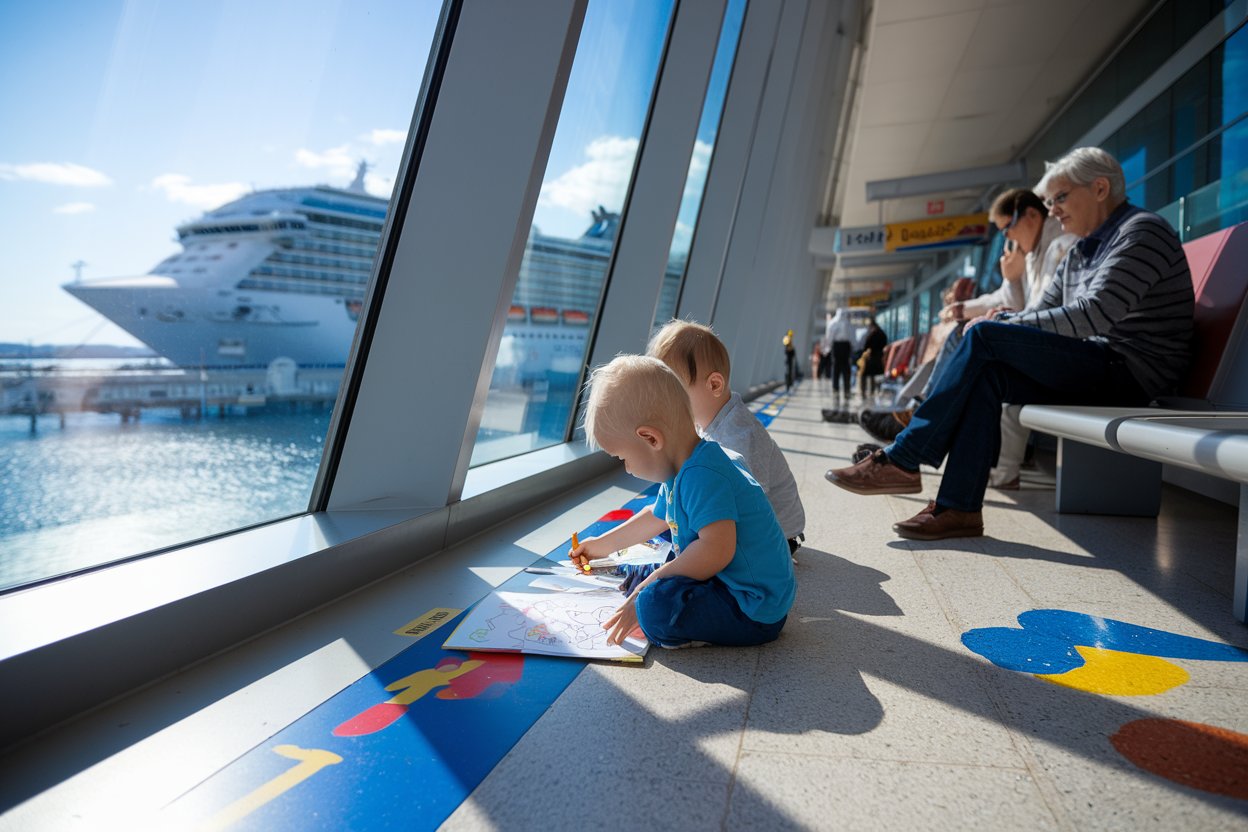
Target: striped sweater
1127	284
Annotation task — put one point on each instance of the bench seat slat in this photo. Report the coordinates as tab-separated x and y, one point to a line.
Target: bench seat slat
1215	445
1096	426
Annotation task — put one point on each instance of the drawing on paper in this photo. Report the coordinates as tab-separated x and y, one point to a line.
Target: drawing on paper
556	624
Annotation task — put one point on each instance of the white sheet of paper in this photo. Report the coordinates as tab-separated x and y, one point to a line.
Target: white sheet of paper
636	554
573	583
552	624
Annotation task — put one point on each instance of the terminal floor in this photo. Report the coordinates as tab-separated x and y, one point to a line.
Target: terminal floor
870	711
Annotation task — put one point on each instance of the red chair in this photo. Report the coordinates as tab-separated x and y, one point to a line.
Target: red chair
1219	264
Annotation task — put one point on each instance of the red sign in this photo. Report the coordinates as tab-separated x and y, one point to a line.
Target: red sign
936	206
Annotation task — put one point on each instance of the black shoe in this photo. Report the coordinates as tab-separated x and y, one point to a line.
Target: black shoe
863	451
883	425
840	417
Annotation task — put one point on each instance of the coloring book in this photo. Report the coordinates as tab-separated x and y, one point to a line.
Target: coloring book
553	616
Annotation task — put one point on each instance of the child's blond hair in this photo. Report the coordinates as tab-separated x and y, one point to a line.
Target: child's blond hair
631	391
692	350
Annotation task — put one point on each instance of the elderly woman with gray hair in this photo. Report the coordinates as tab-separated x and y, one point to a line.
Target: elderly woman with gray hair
1114	327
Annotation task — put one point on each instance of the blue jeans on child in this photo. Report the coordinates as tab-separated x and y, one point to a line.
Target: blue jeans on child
675	611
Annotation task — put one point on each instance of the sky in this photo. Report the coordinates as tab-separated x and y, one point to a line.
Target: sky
124	118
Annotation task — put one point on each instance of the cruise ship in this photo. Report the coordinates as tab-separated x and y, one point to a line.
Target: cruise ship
282	273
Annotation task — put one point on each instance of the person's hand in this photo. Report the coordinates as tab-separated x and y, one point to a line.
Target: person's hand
590	548
623	621
990	315
1013	264
952	312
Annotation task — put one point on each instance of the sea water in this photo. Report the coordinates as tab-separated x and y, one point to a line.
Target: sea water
97	490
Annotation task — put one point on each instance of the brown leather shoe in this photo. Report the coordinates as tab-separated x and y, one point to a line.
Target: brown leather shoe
876	475
928	525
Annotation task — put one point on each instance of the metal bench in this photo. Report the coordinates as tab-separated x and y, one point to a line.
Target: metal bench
1109	458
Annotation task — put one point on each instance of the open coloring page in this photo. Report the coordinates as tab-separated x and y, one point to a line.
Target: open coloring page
548	623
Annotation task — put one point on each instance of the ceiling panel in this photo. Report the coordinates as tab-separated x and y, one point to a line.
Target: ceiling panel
902	102
953	84
976	93
918	49
1022	34
893	11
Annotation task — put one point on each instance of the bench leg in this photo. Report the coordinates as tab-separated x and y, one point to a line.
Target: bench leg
1240	602
1092	480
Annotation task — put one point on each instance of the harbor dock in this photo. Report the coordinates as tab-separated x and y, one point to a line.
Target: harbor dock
33	392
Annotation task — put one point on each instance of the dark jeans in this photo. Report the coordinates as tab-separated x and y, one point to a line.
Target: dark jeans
675	611
840	366
996	363
947	349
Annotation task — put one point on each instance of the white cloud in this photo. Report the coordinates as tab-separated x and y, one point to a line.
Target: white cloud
379	137
55	173
74	208
178	188
603	180
339	161
683	237
378	185
698	163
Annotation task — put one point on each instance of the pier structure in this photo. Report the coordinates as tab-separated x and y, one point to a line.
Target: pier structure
33	392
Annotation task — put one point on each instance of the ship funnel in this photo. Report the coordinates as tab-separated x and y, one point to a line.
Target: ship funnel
357	184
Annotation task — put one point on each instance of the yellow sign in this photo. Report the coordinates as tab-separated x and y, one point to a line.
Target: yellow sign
868	300
944	231
427	623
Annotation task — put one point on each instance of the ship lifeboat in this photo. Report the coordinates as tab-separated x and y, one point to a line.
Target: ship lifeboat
516	313
544	315
575	317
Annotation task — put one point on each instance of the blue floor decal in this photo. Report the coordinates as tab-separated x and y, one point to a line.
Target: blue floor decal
400	748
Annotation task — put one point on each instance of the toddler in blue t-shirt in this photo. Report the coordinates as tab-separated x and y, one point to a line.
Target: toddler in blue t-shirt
731	581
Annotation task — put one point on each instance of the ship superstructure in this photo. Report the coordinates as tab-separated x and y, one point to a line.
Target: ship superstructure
282	274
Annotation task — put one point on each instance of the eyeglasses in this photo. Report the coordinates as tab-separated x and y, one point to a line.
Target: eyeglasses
1013	222
1060	198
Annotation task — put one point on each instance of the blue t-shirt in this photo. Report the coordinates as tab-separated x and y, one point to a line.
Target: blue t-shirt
710	487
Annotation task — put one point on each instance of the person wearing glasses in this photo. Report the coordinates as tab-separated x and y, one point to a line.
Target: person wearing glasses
1113	328
1034	247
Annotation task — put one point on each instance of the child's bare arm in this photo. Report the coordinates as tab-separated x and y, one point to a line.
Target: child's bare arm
705	557
641	526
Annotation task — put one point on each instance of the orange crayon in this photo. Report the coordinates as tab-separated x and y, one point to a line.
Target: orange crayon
576	543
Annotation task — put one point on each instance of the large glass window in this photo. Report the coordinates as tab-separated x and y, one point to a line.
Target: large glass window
700	161
555	306
1184	155
191	198
1167	29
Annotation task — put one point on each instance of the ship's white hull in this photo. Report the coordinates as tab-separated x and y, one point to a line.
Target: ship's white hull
205	327
279	274
218	328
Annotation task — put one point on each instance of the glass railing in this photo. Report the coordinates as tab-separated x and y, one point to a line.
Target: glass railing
1217	205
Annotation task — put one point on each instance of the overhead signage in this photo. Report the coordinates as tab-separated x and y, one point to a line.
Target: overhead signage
935	233
868	299
864	238
909	236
